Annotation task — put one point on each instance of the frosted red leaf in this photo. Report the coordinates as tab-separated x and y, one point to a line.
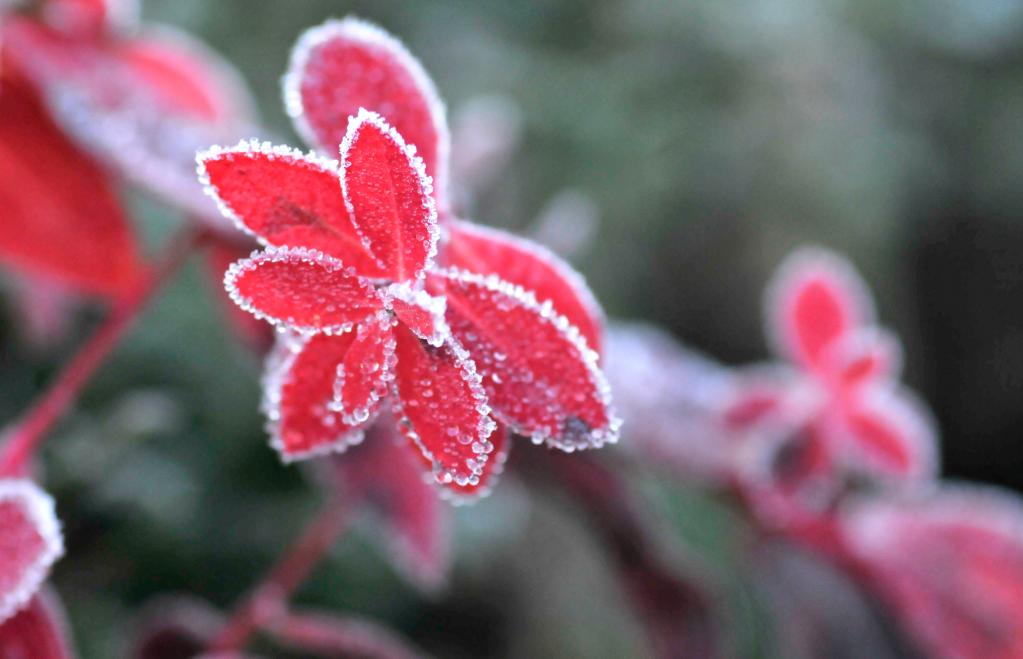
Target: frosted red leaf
442	406
30	542
364	375
861	356
301	289
815	298
62	219
892	433
500	439
298	390
489	251
142	106
420	312
37	631
342	66
386	474
539	375
285	198
950	567
387	194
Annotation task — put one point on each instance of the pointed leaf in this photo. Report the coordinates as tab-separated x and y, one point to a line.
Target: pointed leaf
30	542
37	631
285	198
298	388
443	407
863	356
815	298
61	217
368	367
492	470
420	312
388	197
539	376
892	434
950	567
301	289
221	255
342	66
488	251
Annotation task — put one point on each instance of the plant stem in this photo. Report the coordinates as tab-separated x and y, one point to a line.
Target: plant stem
269	598
24	438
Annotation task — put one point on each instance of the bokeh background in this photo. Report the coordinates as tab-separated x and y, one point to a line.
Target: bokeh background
706	140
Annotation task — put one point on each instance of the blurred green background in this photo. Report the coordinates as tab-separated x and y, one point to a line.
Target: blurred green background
712	137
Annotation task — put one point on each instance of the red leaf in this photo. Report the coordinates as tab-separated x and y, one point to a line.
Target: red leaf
342	66
862	356
61	217
891	433
386	473
301	289
539	376
950	567
443	407
388	197
488	251
298	389
38	631
815	298
284	198
420	312
30	542
460	494
368	366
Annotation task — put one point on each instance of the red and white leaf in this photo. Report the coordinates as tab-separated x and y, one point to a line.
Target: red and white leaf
38	631
443	407
489	251
342	66
30	542
62	218
492	470
539	375
419	311
301	289
364	375
144	107
863	356
385	473
285	198
891	433
950	568
298	388
815	298
388	197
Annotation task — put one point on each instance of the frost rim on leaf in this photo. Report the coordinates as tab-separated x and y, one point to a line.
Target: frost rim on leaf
484	428
801	264
279	362
355	124
569	332
289	255
568	274
249	147
362	415
436	306
370	34
40	509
